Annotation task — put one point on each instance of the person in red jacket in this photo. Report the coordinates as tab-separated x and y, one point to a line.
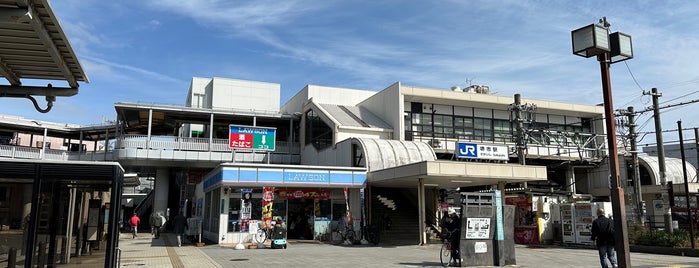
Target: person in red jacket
135	220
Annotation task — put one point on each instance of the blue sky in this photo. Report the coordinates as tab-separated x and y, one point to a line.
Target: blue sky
148	51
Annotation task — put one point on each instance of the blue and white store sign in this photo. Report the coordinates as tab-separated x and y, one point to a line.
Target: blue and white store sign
285	177
482	151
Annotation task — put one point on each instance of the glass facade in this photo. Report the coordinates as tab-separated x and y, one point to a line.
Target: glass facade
425	126
317	132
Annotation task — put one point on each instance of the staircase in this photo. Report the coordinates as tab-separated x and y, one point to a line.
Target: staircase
402	212
145	206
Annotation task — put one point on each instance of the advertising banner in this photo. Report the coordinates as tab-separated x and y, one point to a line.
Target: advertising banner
245	210
267	201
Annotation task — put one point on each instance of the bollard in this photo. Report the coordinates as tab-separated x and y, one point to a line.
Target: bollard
12	258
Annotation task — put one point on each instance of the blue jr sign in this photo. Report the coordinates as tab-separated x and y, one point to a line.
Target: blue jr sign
482	151
468	150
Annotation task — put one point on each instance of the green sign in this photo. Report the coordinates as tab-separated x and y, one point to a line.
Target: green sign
251	138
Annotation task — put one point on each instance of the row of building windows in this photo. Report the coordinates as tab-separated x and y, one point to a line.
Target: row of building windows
441	126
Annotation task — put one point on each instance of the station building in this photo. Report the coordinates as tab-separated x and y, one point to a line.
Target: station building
330	157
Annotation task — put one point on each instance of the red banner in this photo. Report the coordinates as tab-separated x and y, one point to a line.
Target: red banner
526	235
305	194
267	201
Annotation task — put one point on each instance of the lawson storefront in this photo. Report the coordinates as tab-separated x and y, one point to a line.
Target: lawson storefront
235	200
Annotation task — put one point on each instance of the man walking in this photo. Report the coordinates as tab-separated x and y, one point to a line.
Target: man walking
603	238
134	221
156	221
179	224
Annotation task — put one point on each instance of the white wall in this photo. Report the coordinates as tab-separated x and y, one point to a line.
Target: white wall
388	105
325	95
245	95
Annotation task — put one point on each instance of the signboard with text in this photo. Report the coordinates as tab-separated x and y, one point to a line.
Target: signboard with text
482	151
252	138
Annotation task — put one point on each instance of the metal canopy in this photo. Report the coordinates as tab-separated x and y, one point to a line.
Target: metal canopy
33	46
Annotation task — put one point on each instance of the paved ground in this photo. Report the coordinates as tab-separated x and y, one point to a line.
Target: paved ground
148	252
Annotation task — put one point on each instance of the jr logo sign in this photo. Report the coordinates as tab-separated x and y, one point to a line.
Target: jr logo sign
482	151
469	150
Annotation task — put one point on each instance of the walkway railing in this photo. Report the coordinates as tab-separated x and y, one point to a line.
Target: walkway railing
134	146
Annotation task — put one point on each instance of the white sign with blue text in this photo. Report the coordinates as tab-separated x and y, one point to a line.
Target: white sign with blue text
482	151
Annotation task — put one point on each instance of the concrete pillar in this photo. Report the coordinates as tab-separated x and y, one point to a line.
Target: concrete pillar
162	187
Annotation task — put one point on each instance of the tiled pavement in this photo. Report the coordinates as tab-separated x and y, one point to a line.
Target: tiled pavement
148	252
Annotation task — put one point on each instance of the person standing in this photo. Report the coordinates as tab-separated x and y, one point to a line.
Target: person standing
603	238
156	221
452	224
134	221
179	224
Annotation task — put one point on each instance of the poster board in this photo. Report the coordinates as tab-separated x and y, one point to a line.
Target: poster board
477	228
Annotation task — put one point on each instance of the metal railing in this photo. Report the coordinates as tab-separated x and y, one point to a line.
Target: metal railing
131	142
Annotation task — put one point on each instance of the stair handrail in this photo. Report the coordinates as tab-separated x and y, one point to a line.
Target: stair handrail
148	201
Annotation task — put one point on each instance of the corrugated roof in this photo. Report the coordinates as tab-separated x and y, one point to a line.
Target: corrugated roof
33	45
354	116
673	169
382	154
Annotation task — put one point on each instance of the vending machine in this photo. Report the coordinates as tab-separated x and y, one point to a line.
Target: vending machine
583	214
567	222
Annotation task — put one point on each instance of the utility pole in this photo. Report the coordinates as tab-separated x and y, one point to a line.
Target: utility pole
516	110
667	213
638	197
696	147
686	184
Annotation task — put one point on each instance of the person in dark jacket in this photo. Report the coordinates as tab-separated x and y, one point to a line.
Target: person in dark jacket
603	238
156	221
179	225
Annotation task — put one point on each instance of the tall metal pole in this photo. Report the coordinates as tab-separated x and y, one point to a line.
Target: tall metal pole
616	192
520	132
640	214
686	184
696	146
667	213
43	144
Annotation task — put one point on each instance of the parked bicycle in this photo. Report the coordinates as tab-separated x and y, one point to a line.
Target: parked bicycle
262	235
372	234
347	234
449	254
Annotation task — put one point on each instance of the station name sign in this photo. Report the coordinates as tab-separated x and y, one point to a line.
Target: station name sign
482	151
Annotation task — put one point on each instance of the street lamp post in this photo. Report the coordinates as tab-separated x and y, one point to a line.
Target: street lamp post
595	40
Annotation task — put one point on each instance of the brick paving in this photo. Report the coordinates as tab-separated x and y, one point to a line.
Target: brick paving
148	252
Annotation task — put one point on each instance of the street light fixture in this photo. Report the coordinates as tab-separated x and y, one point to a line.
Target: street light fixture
595	40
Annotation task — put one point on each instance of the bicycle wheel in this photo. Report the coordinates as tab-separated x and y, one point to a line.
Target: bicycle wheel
445	254
350	236
260	236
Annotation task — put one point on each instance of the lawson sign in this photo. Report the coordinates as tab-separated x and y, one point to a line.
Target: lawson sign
482	151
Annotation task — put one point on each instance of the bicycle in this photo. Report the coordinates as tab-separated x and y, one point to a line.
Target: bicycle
450	251
262	235
134	232
372	234
348	236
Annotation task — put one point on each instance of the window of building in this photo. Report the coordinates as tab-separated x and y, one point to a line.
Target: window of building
319	134
40	144
502	131
482	129
211	213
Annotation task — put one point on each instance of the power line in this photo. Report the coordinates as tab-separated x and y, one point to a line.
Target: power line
685	95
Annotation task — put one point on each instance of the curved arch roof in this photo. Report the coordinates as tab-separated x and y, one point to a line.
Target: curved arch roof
382	154
673	169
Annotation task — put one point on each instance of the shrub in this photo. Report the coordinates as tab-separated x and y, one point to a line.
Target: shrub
679	238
